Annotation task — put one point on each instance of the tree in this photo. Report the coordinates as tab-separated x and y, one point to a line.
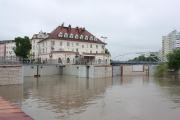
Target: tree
107	51
173	59
23	47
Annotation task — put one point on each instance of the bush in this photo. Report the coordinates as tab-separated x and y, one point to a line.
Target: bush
161	70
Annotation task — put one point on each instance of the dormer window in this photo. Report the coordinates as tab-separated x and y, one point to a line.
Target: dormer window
81	37
95	38
65	35
76	36
91	38
86	37
60	34
71	36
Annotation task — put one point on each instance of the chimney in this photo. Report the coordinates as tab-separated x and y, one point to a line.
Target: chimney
62	25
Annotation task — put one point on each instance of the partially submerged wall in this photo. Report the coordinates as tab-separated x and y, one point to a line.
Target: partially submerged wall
11	74
90	71
43	70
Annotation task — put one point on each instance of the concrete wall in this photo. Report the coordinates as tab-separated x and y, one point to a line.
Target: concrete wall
102	71
11	74
128	70
94	71
31	70
116	70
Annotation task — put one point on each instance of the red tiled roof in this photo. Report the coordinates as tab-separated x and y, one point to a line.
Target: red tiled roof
74	31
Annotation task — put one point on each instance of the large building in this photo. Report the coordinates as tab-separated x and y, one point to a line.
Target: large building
169	43
7	48
67	45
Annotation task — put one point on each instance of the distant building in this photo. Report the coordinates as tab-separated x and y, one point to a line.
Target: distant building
7	48
34	41
67	45
169	43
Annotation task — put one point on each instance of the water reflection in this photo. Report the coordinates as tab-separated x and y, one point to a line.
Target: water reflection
64	94
72	98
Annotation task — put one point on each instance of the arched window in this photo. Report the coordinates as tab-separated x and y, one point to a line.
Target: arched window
99	61
86	37
59	60
65	35
81	37
76	36
71	35
68	60
60	34
91	38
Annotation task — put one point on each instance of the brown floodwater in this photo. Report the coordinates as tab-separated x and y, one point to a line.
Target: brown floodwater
118	98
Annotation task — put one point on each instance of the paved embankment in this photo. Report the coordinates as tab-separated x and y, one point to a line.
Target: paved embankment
9	111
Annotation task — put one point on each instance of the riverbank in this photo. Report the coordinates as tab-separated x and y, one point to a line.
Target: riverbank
9	111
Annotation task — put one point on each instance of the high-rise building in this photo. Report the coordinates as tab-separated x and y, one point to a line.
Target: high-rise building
169	43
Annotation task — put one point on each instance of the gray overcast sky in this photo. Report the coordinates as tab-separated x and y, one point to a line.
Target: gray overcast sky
130	25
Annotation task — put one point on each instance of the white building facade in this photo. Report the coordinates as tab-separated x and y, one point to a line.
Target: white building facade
67	45
169	43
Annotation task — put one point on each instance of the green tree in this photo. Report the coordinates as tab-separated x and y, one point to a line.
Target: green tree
107	51
173	59
23	47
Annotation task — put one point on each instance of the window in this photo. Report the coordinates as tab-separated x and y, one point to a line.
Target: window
90	51
60	34
77	44
91	38
59	60
102	46
76	36
68	44
52	43
61	43
77	50
66	35
96	51
95	38
91	46
86	37
82	46
68	60
97	46
71	36
81	37
99	61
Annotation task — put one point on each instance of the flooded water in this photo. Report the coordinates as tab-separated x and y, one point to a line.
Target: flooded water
118	98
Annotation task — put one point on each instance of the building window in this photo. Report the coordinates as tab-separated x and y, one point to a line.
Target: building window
97	46
102	46
82	46
76	36
91	46
86	37
59	60
52	43
81	37
96	51
91	38
60	34
95	38
66	35
77	44
90	51
99	61
71	36
77	50
68	44
61	43
68	60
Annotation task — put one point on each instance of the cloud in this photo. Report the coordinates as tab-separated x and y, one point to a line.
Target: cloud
130	25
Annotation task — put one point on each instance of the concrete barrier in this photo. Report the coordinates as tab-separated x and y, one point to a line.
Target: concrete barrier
11	74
